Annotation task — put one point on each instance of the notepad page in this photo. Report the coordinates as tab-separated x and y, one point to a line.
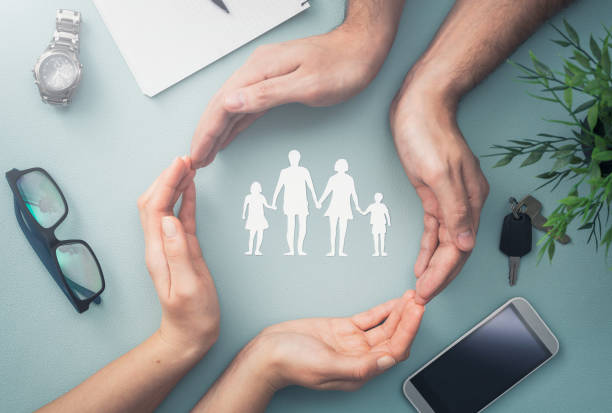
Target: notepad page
164	41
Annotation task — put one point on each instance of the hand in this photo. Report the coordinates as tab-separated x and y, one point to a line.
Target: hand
447	177
243	217
190	309
337	353
317	71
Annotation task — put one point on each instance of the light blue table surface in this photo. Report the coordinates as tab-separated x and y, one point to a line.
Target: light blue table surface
113	141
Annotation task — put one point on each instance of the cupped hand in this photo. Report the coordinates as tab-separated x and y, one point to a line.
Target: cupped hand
317	71
340	353
446	176
190	309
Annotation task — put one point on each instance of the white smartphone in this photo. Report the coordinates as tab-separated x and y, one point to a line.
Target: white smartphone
484	363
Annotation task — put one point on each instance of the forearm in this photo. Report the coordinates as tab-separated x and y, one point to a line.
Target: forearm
136	382
244	387
474	39
378	19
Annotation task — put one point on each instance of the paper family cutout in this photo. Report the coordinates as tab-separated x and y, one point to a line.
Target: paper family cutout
295	181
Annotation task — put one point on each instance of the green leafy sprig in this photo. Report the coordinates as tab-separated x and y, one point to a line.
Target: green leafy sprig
581	155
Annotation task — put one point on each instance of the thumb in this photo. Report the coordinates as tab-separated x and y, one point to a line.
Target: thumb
456	213
175	245
362	368
263	95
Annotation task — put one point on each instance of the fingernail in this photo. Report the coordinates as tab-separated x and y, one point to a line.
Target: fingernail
168	227
466	239
235	101
385	362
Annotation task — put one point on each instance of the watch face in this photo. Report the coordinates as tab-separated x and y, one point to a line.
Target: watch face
57	72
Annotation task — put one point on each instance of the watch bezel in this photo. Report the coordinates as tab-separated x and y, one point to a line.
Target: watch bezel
47	93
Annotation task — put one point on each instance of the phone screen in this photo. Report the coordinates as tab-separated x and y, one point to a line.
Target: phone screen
482	366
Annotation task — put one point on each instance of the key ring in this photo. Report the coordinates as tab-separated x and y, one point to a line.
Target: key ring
516	207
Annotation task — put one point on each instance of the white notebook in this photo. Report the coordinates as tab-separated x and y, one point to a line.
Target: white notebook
164	41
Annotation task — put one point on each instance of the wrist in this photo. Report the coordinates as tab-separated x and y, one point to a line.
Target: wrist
187	350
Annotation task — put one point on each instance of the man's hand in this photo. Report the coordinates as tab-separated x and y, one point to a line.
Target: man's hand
447	177
190	309
317	71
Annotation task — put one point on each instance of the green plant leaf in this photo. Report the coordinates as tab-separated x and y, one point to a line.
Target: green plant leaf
567	97
551	250
584	106
582	59
562	43
521	142
595	48
533	157
542	97
571	32
547	175
540	67
570	201
588	225
605	61
592	116
504	161
555	88
602	156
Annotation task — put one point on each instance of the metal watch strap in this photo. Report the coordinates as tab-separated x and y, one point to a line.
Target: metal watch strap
67	26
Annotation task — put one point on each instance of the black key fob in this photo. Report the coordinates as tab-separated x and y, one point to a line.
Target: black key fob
516	235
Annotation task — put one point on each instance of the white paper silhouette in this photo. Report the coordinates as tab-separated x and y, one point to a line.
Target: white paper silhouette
256	221
379	219
295	179
342	188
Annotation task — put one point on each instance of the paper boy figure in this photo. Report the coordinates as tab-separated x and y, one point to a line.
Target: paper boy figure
379	219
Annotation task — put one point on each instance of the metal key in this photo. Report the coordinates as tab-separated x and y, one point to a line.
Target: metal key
534	209
515	240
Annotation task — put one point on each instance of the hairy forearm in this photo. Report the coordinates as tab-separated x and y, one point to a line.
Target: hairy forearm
377	18
244	387
475	38
136	382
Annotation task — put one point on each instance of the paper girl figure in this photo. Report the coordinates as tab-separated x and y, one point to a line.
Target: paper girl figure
379	219
342	188
256	222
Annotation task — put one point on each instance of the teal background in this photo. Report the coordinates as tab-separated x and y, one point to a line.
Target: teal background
113	141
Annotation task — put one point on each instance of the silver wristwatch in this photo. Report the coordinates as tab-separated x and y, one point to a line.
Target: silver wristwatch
57	72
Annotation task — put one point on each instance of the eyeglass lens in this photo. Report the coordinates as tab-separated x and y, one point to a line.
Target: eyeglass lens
42	198
79	268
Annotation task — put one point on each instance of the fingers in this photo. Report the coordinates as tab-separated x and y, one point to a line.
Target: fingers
443	267
176	250
264	95
158	200
167	189
188	209
429	243
361	368
374	316
406	330
240	126
456	210
266	63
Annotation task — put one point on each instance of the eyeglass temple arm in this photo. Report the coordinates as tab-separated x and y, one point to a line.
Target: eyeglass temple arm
47	260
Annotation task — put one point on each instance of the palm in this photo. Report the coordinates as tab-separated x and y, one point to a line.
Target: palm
329	353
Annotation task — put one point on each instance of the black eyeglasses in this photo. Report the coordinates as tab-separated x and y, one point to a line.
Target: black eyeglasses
40	207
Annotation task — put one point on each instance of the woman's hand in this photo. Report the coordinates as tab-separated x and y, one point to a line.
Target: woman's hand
339	353
319	353
317	71
190	309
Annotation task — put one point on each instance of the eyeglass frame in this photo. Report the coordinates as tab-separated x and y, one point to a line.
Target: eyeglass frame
44	242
